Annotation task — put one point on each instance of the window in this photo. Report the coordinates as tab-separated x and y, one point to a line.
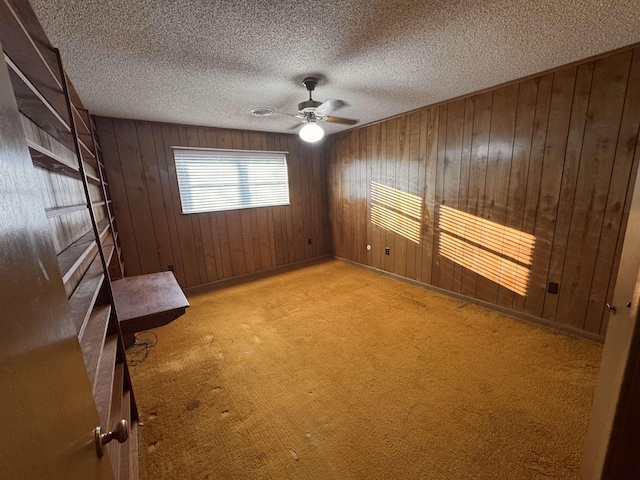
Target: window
212	180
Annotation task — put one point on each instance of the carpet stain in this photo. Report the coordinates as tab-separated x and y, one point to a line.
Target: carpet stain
360	376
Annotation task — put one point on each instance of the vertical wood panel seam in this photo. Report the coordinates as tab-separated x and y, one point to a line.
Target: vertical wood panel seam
464	117
564	161
168	148
613	163
537	204
124	184
435	201
506	206
144	176
484	189
421	181
473	126
584	130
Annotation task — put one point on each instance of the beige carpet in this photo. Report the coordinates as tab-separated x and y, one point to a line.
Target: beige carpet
335	372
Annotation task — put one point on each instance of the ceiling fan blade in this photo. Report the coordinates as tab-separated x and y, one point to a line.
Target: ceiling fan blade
329	106
344	121
295	126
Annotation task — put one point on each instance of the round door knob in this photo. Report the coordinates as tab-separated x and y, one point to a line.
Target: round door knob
120	433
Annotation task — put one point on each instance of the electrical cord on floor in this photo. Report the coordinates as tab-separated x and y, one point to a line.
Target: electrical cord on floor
139	351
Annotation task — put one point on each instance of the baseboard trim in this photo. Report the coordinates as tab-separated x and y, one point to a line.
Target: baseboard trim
507	311
230	282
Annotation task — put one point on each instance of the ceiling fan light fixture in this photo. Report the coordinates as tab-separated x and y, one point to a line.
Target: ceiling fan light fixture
311	132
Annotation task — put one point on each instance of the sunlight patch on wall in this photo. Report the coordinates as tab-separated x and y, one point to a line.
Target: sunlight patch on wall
498	253
395	210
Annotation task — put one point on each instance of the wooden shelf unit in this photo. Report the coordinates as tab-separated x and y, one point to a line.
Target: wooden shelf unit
64	148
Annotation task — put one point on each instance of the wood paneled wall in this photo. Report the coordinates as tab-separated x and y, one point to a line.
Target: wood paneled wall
210	246
550	156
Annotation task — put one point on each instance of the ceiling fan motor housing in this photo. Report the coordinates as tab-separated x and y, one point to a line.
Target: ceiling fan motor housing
309	105
310	83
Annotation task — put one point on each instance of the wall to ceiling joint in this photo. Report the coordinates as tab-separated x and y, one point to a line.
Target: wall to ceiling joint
510	191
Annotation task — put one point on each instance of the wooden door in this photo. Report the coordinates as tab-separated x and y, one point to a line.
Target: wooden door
47	411
612	450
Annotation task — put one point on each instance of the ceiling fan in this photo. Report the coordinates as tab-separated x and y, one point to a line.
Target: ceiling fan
310	112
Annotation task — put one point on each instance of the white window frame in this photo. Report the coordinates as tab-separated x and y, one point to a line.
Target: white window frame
218	180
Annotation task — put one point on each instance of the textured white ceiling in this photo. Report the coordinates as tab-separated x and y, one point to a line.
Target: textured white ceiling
204	62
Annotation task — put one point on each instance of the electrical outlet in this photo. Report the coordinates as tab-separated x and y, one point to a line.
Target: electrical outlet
553	288
387	251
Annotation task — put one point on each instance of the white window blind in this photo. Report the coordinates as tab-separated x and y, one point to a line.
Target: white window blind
212	180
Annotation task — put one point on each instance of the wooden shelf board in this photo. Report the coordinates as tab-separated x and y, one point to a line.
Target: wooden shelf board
73	256
93	179
24	41
70	259
84	296
108	253
108	242
81	125
88	150
46	159
92	340
87	139
103	384
83	112
58	211
75	98
33	105
103	227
